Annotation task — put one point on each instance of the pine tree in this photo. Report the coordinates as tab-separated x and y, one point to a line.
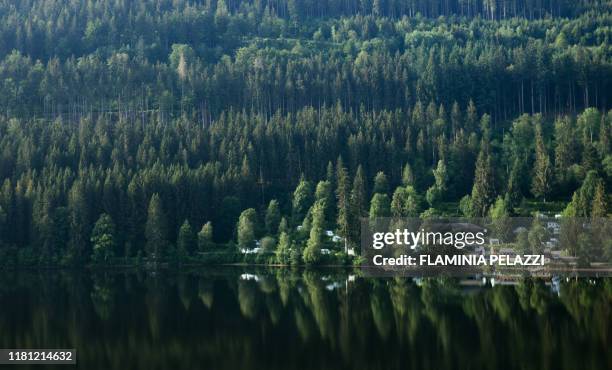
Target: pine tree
205	237
79	216
600	201
156	229
514	187
302	200
471	118
186	241
582	200
324	194
456	118
408	178
272	218
483	189
358	193
330	174
604	138
542	171
381	184
283	226
590	158
343	202
565	147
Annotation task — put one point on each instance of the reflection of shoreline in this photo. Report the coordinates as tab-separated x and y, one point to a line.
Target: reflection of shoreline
547	271
304	319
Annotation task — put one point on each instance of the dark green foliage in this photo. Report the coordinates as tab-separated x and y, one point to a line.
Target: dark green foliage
156	229
152	113
381	184
186	241
542	171
302	200
205	237
273	217
483	191
103	239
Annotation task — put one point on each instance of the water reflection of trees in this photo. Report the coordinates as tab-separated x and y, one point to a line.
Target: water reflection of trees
307	319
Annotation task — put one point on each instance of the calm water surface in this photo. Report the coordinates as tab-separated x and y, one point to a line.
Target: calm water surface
283	319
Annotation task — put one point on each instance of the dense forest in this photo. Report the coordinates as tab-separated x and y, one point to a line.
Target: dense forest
132	129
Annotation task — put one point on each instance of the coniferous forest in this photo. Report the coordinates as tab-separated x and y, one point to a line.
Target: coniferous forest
192	129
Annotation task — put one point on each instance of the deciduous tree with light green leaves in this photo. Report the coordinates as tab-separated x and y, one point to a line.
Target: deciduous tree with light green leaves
246	228
312	252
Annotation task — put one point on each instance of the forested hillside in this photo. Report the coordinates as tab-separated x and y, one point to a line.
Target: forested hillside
128	126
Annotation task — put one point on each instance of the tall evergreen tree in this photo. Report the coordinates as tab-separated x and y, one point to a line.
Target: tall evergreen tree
542	171
343	196
156	229
381	184
600	201
273	217
205	237
483	190
358	194
186	241
302	200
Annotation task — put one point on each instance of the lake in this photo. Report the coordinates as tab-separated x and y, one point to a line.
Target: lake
245	318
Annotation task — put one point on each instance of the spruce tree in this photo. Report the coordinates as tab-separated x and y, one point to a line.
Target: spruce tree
186	241
483	189
343	202
79	216
205	237
156	229
600	201
324	194
302	200
381	184
408	178
358	194
514	186
542	171
272	217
